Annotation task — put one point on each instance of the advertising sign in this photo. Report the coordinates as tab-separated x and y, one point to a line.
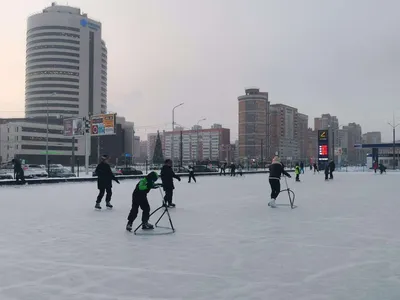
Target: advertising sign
323	145
104	124
74	127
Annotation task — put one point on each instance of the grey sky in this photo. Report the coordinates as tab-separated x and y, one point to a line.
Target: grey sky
336	56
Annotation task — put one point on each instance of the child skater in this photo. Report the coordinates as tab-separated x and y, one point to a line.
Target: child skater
276	170
139	198
297	170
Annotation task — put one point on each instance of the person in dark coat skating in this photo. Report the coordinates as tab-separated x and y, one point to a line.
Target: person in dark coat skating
276	170
327	169
167	177
331	169
191	174
105	177
139	199
18	171
233	169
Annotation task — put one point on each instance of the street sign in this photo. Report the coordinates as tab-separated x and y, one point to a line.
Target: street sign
104	124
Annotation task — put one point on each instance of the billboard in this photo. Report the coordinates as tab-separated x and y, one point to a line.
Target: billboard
323	145
74	127
104	124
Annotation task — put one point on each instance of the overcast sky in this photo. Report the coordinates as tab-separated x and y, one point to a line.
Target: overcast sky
321	56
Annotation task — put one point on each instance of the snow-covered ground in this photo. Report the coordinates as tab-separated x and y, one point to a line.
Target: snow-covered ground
342	242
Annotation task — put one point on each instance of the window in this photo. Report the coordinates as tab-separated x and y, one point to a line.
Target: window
51	104
51	139
53	53
62	34
41	130
52	79
43	147
65	112
52	85
41	98
52	92
53	27
53	41
63	47
66	73
52	66
48	59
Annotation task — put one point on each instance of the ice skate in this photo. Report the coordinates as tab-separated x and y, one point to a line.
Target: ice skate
147	226
109	205
129	226
97	206
272	203
171	205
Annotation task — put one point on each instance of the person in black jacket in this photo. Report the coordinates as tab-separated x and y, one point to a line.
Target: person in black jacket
105	177
276	170
331	169
191	174
167	178
18	171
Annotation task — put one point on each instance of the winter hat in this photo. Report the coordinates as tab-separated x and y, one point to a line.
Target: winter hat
276	159
104	157
152	175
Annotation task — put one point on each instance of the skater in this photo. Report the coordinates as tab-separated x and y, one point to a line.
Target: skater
276	170
375	166
240	170
167	177
223	169
18	171
139	198
233	170
310	167
191	174
297	170
382	168
315	168
104	181
302	167
331	169
327	169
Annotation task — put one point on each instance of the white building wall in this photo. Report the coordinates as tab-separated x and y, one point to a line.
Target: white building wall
58	60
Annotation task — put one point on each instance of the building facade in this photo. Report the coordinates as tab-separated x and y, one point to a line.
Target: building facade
285	132
354	136
27	138
193	145
66	64
331	123
254	125
312	145
374	137
303	136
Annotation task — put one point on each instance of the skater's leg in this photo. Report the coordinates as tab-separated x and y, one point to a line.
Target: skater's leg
168	196
145	206
134	210
109	194
101	194
194	179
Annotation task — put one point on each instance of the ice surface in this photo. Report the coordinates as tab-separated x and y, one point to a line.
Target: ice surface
342	242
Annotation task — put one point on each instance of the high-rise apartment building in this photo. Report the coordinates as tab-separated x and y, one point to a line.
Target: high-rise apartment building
331	123
374	137
285	131
312	145
66	64
198	144
254	124
303	136
354	134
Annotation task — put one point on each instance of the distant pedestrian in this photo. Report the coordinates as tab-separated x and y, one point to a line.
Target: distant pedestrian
18	171
191	174
302	167
233	169
105	177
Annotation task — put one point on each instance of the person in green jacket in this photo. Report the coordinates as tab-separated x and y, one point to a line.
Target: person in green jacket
297	171
139	198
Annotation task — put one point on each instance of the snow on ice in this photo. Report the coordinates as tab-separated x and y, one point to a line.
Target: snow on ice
342	242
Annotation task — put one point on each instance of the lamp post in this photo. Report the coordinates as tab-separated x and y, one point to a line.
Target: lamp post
198	144
173	129
394	125
47	130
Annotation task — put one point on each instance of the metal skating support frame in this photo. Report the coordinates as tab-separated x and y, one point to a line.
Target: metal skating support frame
291	194
163	206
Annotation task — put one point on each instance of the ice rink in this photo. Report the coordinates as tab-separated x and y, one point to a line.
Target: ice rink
341	242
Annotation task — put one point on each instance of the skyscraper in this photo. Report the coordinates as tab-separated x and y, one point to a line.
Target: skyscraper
66	64
254	125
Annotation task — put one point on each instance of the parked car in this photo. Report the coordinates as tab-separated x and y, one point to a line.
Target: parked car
204	169
5	175
115	172
61	173
34	171
130	171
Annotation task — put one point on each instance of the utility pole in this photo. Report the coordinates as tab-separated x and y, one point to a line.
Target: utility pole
173	129
181	149
262	156
394	125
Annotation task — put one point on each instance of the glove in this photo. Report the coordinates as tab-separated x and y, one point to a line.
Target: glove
117	181
179	179
288	175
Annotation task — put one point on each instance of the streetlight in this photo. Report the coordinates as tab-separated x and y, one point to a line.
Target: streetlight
197	152
47	130
173	129
394	125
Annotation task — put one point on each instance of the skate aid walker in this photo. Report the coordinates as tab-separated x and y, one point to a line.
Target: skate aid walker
291	195
165	207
